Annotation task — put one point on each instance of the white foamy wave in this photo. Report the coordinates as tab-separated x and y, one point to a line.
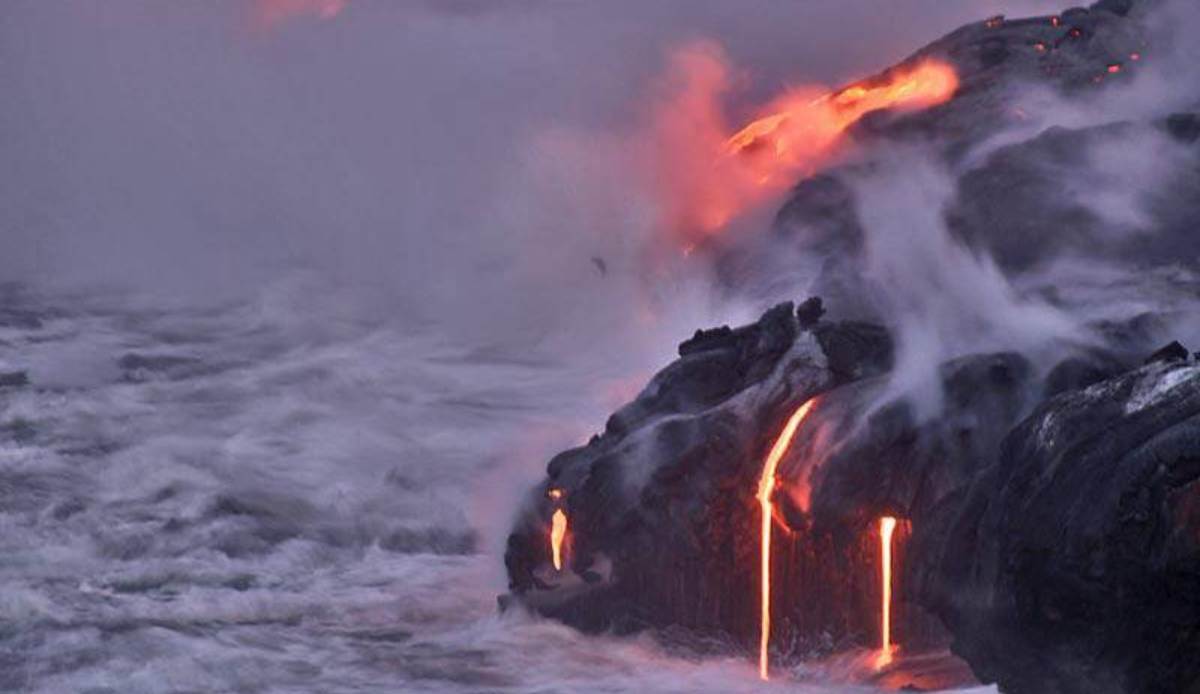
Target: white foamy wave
271	496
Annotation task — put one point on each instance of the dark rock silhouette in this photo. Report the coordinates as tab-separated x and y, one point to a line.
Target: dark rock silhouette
1061	551
1051	510
13	379
1073	564
1171	352
664	523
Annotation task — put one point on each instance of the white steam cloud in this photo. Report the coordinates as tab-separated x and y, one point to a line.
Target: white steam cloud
942	299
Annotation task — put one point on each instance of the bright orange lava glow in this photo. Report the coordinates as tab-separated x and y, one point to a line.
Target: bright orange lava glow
558	533
766	486
887	526
706	174
801	129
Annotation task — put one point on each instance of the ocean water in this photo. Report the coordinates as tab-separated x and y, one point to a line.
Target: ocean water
272	496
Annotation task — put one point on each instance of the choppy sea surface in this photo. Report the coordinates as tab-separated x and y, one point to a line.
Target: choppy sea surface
269	496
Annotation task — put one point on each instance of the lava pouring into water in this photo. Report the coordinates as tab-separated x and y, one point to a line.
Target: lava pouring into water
558	532
887	526
766	486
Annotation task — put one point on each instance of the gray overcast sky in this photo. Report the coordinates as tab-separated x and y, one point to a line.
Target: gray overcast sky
180	146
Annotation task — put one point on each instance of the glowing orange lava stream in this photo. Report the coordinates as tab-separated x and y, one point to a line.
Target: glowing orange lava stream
709	171
887	526
802	127
766	486
558	531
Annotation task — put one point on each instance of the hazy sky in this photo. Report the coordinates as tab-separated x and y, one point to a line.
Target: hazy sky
199	147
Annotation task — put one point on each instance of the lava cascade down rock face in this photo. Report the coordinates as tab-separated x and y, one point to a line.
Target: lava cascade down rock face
661	505
664	524
1055	553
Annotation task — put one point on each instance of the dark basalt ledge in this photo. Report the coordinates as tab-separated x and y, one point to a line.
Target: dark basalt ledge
1073	563
13	379
664	522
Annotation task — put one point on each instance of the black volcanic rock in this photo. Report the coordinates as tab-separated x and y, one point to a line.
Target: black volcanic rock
706	340
713	366
1081	371
1061	553
1005	206
1023	202
897	461
1172	352
825	205
1058	549
1184	127
855	349
1073	564
668	490
13	379
663	517
809	312
1120	8
1070	51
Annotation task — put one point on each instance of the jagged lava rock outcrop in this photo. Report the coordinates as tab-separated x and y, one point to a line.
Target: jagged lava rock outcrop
664	521
1073	564
661	504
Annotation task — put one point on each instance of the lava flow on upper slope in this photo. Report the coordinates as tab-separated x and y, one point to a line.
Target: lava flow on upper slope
711	173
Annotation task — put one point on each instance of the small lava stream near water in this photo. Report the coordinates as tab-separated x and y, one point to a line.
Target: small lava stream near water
268	497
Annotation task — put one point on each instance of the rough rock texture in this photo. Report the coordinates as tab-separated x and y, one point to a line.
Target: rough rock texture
1007	203
13	379
1061	552
1026	199
1073	564
1072	50
1051	511
895	462
661	504
663	517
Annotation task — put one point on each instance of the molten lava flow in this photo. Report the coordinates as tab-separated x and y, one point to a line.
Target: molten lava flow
705	173
766	486
802	129
558	533
887	526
